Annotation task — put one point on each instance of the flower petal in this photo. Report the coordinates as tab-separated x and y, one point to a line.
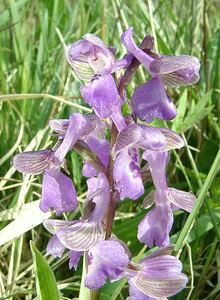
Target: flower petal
58	192
127	175
181	199
103	263
59	125
173	140
128	137
161	265
155	227
159	287
81	236
128	42
32	162
98	193
136	294
101	94
79	126
150	101
54	247
157	163
169	64
88	170
74	259
149	200
53	225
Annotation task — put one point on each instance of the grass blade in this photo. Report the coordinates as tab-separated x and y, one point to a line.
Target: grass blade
46	282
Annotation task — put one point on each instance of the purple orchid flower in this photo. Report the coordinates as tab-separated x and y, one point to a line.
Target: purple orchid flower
127	175
94	62
157	276
104	264
81	235
151	100
58	191
156	226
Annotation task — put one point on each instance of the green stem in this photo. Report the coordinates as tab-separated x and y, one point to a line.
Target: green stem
190	220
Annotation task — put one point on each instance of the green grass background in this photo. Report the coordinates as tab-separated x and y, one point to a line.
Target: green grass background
36	84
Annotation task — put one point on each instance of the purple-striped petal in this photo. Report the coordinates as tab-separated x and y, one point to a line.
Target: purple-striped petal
54	247
107	260
173	140
136	294
149	200
181	199
59	125
90	56
150	101
127	175
58	192
53	225
33	162
128	137
101	94
169	64
81	236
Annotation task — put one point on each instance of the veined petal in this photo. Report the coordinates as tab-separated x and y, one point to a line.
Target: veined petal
181	78
161	265
104	263
53	225
103	59
169	64
32	162
149	200
81	236
136	294
128	137
150	101
173	140
59	125
152	138
74	259
79	126
54	247
167	250
159	287
101	94
181	199
58	192
127	175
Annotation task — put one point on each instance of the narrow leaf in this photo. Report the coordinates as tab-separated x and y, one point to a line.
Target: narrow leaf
45	279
